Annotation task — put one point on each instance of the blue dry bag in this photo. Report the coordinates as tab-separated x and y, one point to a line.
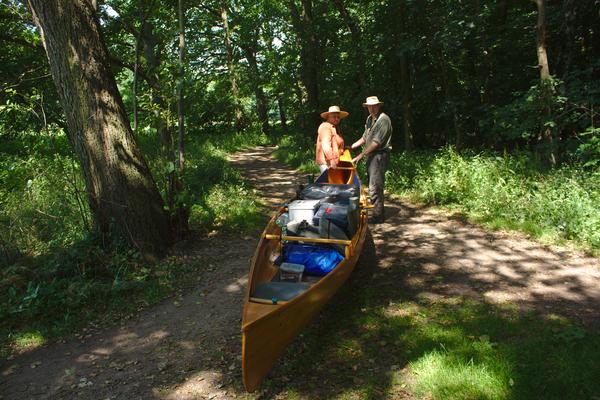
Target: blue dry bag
317	260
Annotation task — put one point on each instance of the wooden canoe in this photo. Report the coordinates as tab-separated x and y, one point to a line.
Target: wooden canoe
267	328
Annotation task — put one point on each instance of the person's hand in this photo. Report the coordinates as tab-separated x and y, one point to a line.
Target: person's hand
356	159
333	163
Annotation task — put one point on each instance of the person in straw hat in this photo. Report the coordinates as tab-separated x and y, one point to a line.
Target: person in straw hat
330	143
376	139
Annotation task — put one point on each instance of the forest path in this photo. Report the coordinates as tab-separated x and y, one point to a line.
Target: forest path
188	347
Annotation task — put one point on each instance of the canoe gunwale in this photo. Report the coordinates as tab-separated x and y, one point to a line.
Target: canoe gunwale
360	234
267	329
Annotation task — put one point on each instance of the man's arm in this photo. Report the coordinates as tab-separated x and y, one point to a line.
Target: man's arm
372	147
358	143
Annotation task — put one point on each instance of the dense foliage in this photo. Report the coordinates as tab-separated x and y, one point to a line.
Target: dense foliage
524	148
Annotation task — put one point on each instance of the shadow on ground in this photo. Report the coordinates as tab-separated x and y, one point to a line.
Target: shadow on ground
425	284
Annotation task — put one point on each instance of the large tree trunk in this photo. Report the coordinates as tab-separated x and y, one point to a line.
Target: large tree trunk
122	194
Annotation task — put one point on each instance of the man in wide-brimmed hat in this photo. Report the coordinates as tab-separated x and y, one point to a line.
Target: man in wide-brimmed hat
330	143
377	141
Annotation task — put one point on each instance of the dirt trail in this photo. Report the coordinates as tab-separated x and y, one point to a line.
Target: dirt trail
188	347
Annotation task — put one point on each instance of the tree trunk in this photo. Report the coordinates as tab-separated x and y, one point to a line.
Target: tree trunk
541	40
261	100
406	84
406	102
150	43
358	56
547	135
449	101
121	191
282	116
180	85
303	23
180	212
235	91
135	76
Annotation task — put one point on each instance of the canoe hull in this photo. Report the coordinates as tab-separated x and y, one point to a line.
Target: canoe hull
268	329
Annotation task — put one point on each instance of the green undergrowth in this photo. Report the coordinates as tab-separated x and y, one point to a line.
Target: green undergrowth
502	191
297	151
379	340
505	192
56	275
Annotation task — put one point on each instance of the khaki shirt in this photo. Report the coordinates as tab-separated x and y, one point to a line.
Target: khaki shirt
379	132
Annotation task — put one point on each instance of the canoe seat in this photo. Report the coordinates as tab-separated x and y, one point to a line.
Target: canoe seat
279	291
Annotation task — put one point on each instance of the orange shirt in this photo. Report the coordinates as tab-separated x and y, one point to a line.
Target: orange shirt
330	143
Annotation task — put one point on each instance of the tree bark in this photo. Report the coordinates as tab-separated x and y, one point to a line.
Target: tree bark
357	53
180	212
541	40
282	116
406	102
547	135
180	87
261	100
303	24
235	91
121	191
136	64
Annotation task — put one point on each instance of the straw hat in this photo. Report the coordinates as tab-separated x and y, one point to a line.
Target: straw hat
372	101
334	109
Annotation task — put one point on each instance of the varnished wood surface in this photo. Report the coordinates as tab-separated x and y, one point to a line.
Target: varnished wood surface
267	329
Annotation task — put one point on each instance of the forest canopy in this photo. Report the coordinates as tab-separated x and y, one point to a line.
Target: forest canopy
506	76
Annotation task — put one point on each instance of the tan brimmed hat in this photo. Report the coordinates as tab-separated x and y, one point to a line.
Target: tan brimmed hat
334	109
372	101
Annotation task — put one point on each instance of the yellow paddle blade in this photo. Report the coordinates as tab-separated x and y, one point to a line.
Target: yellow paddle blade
346	156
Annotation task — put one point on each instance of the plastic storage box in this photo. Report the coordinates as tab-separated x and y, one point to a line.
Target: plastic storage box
300	210
290	272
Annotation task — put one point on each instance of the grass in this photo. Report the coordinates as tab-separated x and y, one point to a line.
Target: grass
292	150
57	276
501	191
505	192
378	339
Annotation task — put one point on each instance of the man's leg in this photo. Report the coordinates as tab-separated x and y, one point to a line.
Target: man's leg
376	170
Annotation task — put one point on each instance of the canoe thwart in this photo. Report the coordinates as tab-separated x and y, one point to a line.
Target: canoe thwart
307	240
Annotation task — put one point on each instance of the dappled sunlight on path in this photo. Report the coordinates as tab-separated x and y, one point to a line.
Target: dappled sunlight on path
276	182
445	256
188	347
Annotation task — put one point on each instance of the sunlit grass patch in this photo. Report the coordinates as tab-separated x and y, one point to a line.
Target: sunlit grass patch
372	344
231	208
443	375
27	340
292	150
504	192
